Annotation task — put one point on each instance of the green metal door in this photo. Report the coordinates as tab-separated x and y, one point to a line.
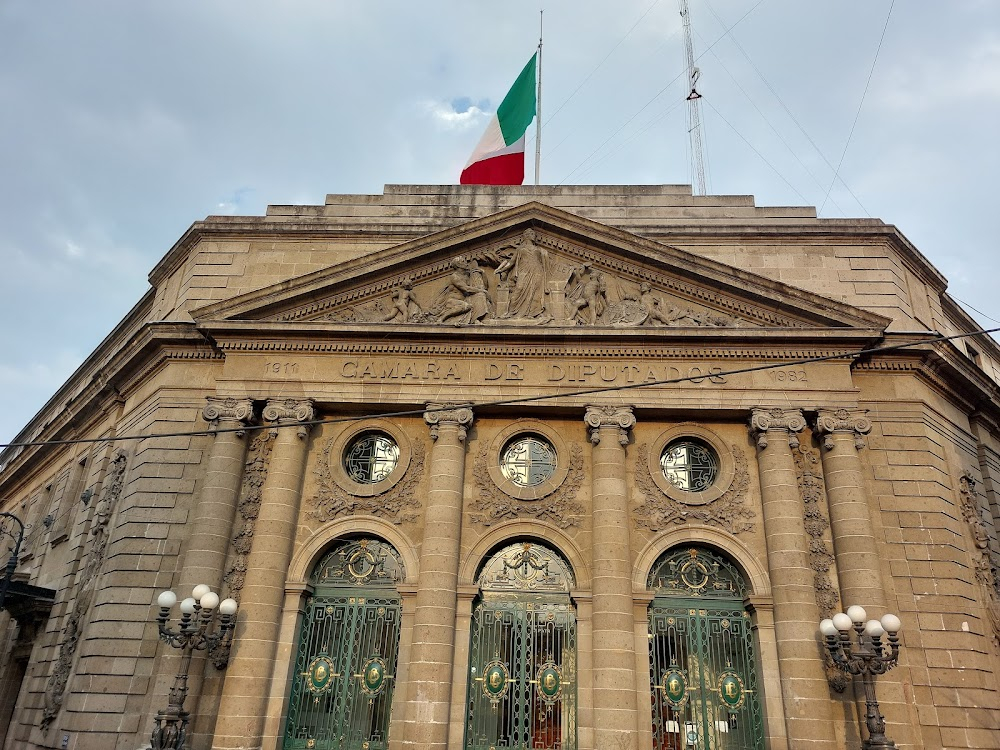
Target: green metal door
522	656
346	657
703	672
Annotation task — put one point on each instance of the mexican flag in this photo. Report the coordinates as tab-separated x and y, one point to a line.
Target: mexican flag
499	157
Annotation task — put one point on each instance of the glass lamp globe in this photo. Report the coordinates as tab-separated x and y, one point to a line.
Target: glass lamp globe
167	599
826	627
874	629
842	622
228	607
857	613
891	623
210	600
199	591
187	606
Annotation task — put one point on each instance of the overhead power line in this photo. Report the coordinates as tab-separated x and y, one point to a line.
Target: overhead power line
510	401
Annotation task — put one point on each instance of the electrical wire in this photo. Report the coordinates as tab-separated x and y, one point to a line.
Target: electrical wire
509	401
850	135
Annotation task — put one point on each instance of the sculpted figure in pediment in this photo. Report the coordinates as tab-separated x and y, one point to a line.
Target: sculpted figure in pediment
465	298
586	295
523	269
405	309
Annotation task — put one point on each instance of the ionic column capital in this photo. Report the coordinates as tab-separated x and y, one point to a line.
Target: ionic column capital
290	411
228	409
789	421
853	421
609	416
459	415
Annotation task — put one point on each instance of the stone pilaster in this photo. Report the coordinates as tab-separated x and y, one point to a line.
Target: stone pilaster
804	689
243	706
431	664
613	620
858	566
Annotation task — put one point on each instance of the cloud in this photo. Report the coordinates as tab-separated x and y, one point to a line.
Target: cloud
233	203
458	114
935	83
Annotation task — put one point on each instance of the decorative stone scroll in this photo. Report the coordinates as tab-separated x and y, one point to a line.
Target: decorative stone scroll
289	411
811	486
438	414
518	281
658	511
843	420
55	686
235	410
609	416
764	420
493	505
397	504
984	562
254	474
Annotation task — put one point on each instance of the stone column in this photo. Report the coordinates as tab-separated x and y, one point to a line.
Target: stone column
613	623
244	697
850	521
804	689
211	534
432	651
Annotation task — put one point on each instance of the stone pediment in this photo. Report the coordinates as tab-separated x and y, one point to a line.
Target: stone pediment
541	267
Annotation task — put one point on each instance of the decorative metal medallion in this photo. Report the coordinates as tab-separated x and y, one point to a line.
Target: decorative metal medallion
731	690
689	465
371	457
360	562
373	677
319	675
496	681
674	686
528	461
549	682
696	572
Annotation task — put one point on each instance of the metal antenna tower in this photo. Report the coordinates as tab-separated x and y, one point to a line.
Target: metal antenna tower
694	109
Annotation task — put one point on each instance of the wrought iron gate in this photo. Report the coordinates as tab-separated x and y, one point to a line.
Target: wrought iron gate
346	659
522	659
703	672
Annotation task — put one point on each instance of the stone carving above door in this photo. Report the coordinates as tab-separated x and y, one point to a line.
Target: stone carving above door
532	278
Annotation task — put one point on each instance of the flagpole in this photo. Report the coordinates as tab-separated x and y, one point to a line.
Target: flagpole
538	103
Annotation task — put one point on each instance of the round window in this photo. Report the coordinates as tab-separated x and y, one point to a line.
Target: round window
528	461
689	465
371	457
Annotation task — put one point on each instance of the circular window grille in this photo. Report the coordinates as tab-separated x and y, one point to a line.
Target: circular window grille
528	461
371	457
689	465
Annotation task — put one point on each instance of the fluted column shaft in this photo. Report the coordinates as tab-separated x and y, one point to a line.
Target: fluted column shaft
243	706
613	626
432	651
804	689
854	545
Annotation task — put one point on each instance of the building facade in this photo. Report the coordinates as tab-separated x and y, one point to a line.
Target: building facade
531	467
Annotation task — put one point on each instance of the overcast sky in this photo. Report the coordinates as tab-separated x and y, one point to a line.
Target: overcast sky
121	123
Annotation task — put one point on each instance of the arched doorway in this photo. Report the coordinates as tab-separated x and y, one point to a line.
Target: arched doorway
345	662
704	682
522	655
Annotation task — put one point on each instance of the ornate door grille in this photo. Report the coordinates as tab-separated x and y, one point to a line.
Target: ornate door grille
522	658
345	664
703	673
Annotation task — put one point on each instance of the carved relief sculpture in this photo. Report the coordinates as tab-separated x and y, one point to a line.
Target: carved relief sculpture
983	561
524	270
55	686
658	511
397	504
586	295
560	507
254	474
465	298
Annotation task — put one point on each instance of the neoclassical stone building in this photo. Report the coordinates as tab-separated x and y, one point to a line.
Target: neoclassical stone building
532	467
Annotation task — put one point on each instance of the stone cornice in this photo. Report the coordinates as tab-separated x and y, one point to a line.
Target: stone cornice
787	421
620	417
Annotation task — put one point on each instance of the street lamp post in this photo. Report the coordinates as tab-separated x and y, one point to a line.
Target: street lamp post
197	613
870	658
7	574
